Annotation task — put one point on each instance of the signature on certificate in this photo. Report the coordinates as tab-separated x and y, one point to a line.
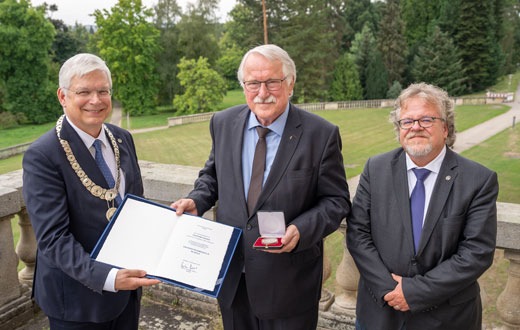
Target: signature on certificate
189	267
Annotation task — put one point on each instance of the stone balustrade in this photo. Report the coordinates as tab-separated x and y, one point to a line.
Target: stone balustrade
166	183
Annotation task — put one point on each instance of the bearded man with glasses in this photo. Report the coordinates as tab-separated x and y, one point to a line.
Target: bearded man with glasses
423	225
300	174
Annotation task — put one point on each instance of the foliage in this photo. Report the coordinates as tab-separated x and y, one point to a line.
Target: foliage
376	77
203	87
372	73
345	83
394	90
167	13
438	63
25	43
246	24
227	65
296	26
359	14
198	33
476	35
511	42
128	42
392	43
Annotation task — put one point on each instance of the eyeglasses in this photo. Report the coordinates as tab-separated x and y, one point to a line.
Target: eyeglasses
272	85
86	93
424	122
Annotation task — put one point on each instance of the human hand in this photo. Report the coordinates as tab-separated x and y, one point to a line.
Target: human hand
289	240
395	298
184	205
131	279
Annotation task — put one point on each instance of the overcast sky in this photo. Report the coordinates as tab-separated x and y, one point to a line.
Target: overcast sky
79	10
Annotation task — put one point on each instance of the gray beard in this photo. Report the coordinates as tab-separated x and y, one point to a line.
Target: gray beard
418	151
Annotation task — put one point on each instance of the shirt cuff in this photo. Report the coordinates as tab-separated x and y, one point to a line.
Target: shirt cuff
110	282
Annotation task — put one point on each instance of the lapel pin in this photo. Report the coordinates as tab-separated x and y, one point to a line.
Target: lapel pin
448	177
119	140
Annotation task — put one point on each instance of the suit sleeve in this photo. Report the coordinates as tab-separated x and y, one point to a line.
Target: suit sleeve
44	191
205	192
360	244
331	200
474	253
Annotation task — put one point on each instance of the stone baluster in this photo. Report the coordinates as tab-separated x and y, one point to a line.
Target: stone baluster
9	285
347	277
508	302
327	298
26	248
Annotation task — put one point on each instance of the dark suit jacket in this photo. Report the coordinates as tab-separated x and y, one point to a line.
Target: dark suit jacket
456	247
307	182
67	221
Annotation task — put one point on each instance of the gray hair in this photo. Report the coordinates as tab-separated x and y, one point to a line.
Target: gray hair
272	53
80	65
433	95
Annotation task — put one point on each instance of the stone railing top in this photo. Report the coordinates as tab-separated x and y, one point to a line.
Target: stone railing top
508	234
168	182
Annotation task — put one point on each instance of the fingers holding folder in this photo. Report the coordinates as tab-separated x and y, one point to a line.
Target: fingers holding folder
131	279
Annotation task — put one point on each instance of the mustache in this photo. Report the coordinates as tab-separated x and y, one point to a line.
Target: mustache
269	99
418	134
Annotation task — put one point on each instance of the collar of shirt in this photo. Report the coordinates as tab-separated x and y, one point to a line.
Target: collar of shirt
277	126
434	166
249	144
108	153
88	140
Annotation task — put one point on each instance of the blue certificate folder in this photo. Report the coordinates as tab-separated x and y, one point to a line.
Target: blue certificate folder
186	251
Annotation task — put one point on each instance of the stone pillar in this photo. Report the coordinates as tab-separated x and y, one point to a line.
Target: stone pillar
9	286
26	248
508	302
327	298
347	277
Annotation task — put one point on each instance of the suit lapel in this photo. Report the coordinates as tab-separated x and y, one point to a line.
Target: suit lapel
238	125
441	191
402	194
82	154
124	156
288	143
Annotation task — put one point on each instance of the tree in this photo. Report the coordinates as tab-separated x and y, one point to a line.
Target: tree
25	44
358	14
392	43
363	49
228	63
510	43
476	35
376	77
203	87
128	42
167	15
438	63
345	83
199	31
296	25
394	90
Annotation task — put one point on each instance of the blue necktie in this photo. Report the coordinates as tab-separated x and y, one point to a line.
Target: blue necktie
102	164
417	204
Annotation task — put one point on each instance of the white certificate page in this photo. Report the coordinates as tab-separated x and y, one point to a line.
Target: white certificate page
184	248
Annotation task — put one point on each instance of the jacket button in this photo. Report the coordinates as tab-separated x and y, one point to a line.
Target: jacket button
249	227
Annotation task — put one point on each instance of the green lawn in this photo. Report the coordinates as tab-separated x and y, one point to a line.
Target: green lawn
232	98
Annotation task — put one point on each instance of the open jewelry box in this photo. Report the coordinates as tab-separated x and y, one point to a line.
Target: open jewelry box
271	225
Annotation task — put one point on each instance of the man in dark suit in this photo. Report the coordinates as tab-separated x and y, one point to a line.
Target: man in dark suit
304	178
420	258
69	200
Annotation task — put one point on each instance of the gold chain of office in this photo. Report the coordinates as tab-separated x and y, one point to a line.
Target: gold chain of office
105	194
